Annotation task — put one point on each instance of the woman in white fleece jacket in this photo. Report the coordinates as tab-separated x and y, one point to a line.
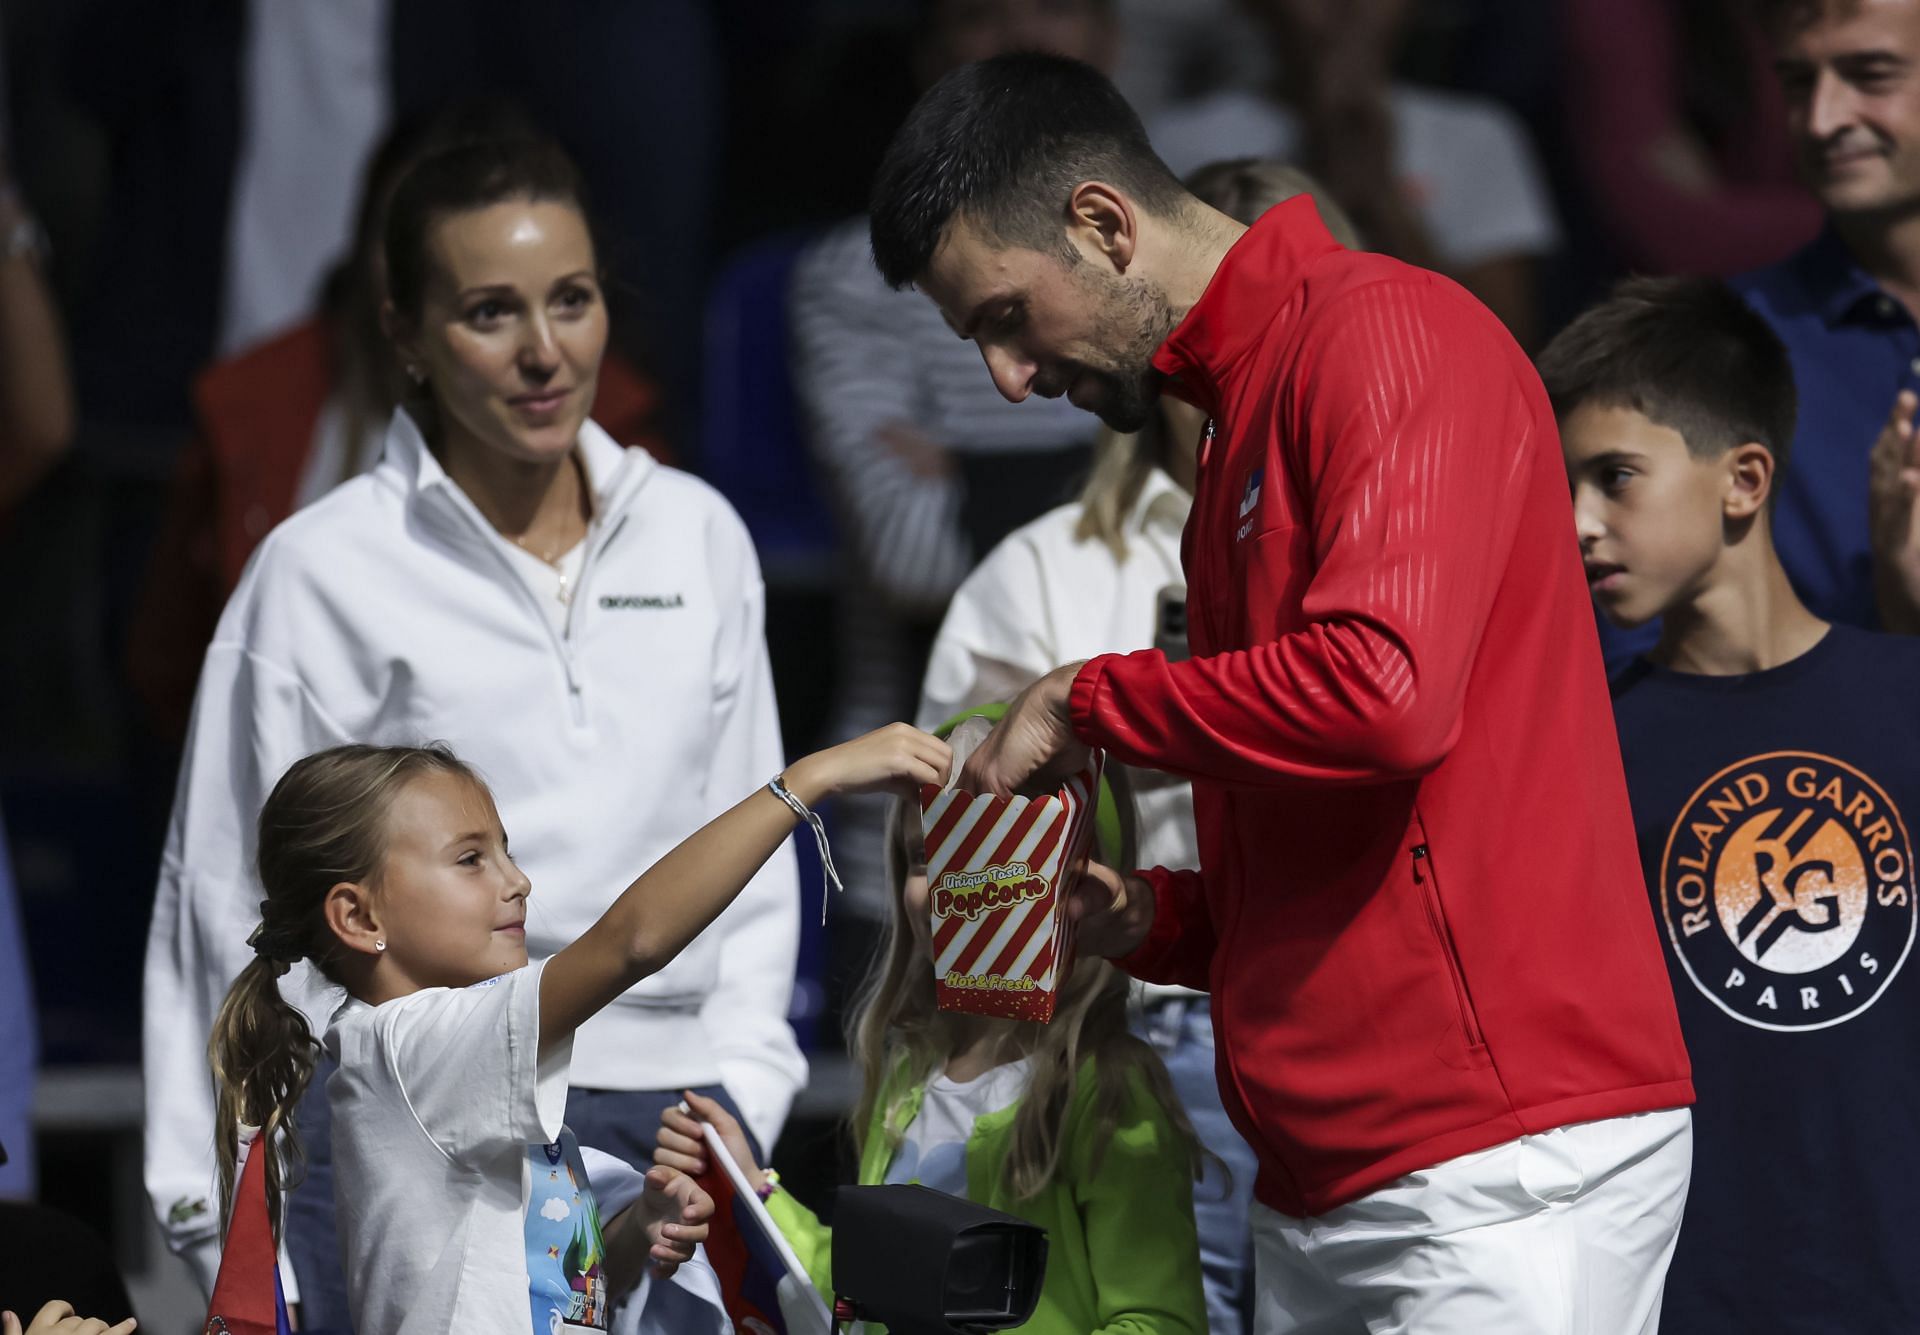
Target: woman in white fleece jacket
581	623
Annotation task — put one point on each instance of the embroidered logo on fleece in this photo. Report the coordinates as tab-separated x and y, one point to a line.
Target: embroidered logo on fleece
614	602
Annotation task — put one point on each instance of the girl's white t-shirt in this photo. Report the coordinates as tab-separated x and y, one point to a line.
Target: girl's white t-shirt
933	1149
443	1113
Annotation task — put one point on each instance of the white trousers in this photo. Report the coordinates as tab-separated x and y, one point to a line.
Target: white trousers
1565	1233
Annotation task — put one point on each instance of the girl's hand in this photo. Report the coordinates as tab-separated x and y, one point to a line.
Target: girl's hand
57	1318
898	757
682	1146
676	1211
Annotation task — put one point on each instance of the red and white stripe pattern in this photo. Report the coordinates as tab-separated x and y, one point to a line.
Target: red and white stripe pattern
972	832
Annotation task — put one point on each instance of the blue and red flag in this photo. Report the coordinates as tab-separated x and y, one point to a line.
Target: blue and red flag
246	1293
762	1285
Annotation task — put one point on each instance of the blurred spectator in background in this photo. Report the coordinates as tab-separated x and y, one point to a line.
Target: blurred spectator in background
1846	307
36	395
1174	50
19	1043
314	101
1443	180
1673	114
238	131
36	427
281	424
928	467
1103	575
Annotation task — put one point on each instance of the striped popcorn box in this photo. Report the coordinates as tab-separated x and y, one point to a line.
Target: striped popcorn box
998	869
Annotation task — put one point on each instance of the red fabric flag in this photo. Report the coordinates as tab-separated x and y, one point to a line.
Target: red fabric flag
246	1293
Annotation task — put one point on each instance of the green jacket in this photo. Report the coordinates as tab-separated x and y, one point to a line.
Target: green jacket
1122	1254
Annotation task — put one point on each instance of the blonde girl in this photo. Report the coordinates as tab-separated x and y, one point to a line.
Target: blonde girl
1071	1125
464	1204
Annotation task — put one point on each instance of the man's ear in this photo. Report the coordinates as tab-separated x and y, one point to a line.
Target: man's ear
354	918
1103	224
1749	480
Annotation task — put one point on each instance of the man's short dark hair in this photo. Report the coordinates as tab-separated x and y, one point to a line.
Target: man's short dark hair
1005	141
1686	353
1778	18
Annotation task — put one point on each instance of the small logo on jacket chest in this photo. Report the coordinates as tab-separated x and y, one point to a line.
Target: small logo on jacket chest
1787	890
614	602
1249	502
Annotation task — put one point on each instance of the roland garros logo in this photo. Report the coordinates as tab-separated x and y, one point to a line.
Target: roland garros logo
1787	890
968	894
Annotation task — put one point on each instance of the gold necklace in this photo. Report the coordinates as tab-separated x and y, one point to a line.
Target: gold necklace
565	594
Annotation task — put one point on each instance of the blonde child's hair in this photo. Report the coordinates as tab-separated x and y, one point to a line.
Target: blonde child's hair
1243	189
899	1037
324	823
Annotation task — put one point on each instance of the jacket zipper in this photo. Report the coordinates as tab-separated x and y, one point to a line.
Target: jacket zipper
562	642
1217	560
1436	916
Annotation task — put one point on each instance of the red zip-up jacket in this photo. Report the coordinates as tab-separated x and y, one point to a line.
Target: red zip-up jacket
1419	909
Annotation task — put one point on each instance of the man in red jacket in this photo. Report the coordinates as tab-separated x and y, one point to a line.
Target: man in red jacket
1444	1024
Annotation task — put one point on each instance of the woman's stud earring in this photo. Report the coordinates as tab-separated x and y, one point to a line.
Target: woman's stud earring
379	945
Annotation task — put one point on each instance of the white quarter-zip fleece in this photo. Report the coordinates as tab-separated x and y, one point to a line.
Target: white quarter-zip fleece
389	612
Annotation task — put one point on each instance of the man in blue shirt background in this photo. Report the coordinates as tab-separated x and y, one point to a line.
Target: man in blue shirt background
1845	307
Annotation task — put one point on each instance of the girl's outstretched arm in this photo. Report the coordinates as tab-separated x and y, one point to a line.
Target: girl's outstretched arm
674	900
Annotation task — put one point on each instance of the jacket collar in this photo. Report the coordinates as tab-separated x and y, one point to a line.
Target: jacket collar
1836	285
614	472
1254	281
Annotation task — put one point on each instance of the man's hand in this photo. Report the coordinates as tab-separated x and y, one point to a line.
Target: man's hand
1112	913
1034	741
1893	517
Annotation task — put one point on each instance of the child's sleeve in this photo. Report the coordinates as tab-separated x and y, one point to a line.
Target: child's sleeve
467	1061
1146	1280
811	1240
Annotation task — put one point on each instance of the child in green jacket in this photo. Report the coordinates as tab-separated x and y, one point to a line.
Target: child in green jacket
1071	1125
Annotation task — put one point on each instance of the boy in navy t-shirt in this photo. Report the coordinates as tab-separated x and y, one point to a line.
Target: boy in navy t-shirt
1774	767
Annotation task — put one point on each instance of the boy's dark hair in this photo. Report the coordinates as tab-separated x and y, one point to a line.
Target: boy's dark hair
1005	141
1686	353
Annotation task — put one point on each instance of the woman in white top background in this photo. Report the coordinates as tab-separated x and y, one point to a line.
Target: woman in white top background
1103	575
583	624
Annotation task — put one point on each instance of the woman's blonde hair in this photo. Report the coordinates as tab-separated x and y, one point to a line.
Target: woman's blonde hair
899	1038
1243	189
324	823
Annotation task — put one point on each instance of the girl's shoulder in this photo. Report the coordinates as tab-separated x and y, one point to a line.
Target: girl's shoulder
1116	1104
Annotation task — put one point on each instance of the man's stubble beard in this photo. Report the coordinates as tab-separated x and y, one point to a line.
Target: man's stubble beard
1141	314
